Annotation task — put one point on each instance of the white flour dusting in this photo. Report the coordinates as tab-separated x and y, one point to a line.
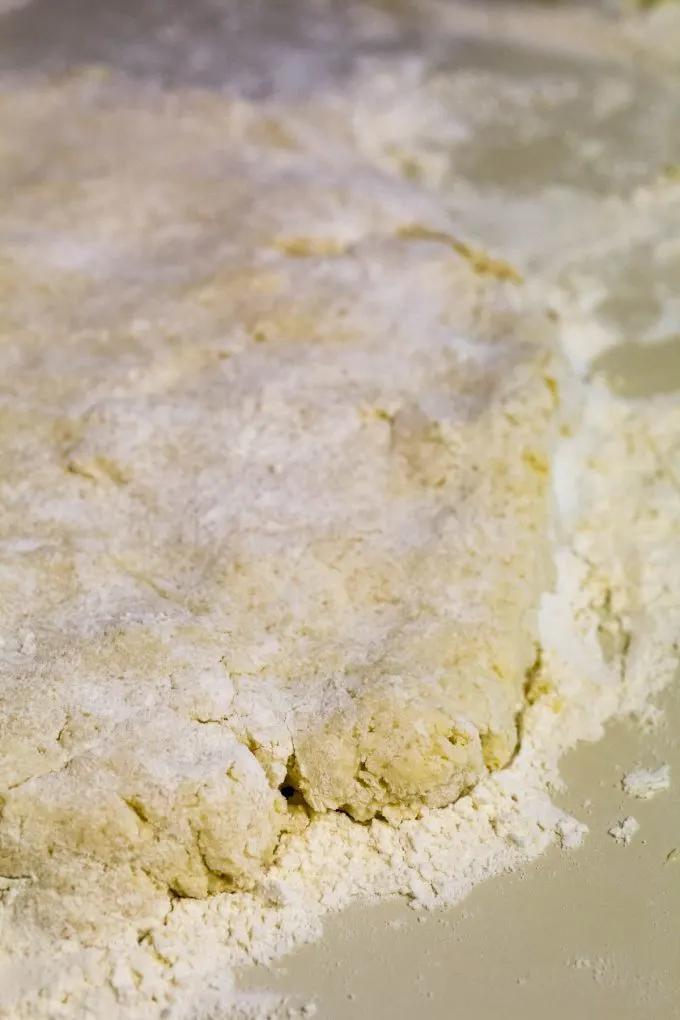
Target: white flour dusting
650	719
571	833
646	783
624	830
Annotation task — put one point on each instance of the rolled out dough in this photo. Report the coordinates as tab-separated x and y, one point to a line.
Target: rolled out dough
275	473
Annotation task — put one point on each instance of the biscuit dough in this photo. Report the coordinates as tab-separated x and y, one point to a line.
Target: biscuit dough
275	492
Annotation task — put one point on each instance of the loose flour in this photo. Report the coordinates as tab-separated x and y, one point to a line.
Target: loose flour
646	783
624	831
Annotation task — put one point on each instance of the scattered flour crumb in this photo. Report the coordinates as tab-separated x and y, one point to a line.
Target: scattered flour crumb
570	832
645	783
597	967
396	923
624	831
650	718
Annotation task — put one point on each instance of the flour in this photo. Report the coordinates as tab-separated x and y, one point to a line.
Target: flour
624	831
571	832
650	719
646	783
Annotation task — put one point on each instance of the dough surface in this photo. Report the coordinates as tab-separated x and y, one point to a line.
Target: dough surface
275	488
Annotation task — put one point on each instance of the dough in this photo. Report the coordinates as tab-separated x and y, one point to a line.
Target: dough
275	485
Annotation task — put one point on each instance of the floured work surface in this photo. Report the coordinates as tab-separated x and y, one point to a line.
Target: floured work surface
276	526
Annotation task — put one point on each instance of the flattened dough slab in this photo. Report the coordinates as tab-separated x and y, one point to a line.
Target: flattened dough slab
275	472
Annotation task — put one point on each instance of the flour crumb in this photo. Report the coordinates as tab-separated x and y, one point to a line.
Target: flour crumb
673	856
397	923
597	967
624	831
650	718
571	832
646	783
